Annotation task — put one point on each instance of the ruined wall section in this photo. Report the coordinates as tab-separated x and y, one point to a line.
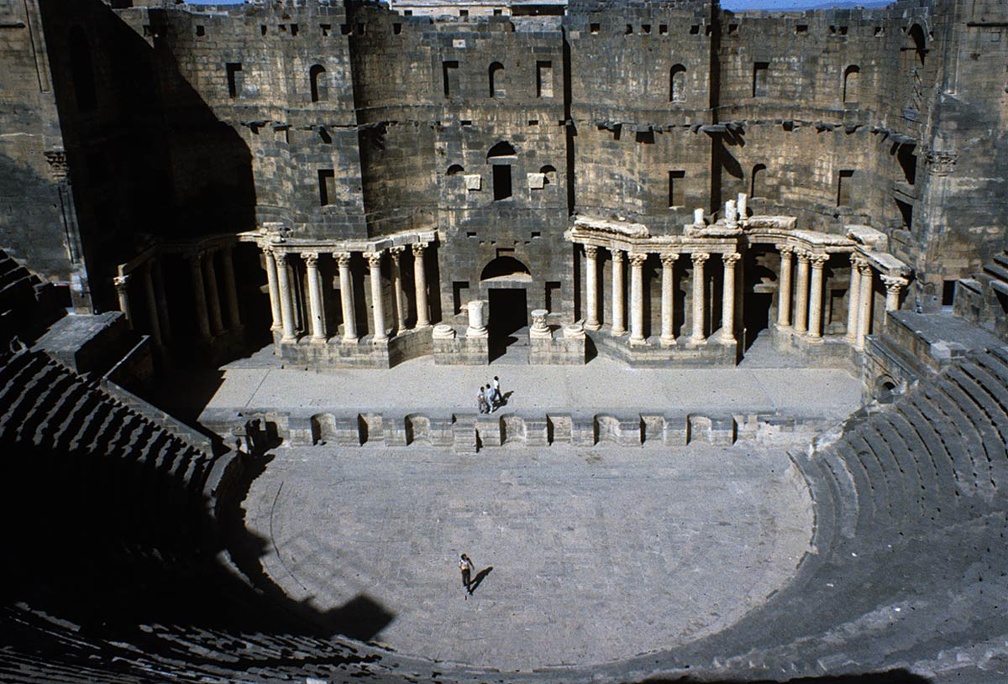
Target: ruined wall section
38	222
281	80
801	95
960	220
394	88
641	89
501	157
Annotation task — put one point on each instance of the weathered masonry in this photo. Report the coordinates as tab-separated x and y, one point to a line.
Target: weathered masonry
655	181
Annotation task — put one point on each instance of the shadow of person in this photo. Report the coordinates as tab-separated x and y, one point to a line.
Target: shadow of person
505	397
479	579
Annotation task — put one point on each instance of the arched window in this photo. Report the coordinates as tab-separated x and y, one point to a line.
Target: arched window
677	83
496	75
549	174
82	70
454	170
500	157
851	77
757	185
319	87
917	43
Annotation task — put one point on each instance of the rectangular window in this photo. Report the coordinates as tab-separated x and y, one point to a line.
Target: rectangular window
544	79
594	28
327	187
845	182
676	188
759	78
552	295
501	181
234	79
458	290
449	71
948	292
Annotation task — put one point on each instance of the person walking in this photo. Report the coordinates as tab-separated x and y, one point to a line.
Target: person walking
481	401
466	566
498	398
488	394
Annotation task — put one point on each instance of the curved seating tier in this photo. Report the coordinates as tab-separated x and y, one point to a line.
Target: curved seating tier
906	569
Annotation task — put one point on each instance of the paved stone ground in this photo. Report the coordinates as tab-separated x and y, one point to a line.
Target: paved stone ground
597	554
601	386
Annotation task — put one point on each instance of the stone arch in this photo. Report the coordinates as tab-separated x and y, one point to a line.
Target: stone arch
886	389
917	43
549	174
82	70
677	83
454	170
319	87
506	267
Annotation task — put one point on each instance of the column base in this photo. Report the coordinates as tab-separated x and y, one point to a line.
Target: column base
592	326
349	340
669	342
380	340
729	341
615	332
638	342
696	342
817	339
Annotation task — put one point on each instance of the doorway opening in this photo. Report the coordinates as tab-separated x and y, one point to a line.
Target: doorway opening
508	315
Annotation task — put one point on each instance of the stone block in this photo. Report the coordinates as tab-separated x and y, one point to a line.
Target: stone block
465	438
394	430
560	429
442	431
346	431
488	430
583	431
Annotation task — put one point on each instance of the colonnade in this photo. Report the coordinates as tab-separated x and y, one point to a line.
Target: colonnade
282	292
808	294
668	259
206	293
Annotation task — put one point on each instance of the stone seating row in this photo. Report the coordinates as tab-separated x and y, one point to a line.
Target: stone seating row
137	464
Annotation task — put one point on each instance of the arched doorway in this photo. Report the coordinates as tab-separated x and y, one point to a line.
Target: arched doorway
506	282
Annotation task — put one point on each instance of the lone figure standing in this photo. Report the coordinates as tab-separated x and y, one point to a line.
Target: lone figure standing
466	566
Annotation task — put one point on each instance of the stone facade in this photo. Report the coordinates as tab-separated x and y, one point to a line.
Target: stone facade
339	176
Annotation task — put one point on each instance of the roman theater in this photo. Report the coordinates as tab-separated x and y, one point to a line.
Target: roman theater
742	275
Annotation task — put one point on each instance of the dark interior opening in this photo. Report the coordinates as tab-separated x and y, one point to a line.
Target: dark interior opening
508	314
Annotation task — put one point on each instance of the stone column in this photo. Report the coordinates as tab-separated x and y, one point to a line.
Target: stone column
864	306
784	295
346	297
853	294
420	283
317	313
618	319
286	302
399	299
152	309
212	293
377	301
893	286
698	297
202	321
230	289
728	296
477	324
816	297
162	301
591	287
637	298
274	289
801	294
667	303
122	290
